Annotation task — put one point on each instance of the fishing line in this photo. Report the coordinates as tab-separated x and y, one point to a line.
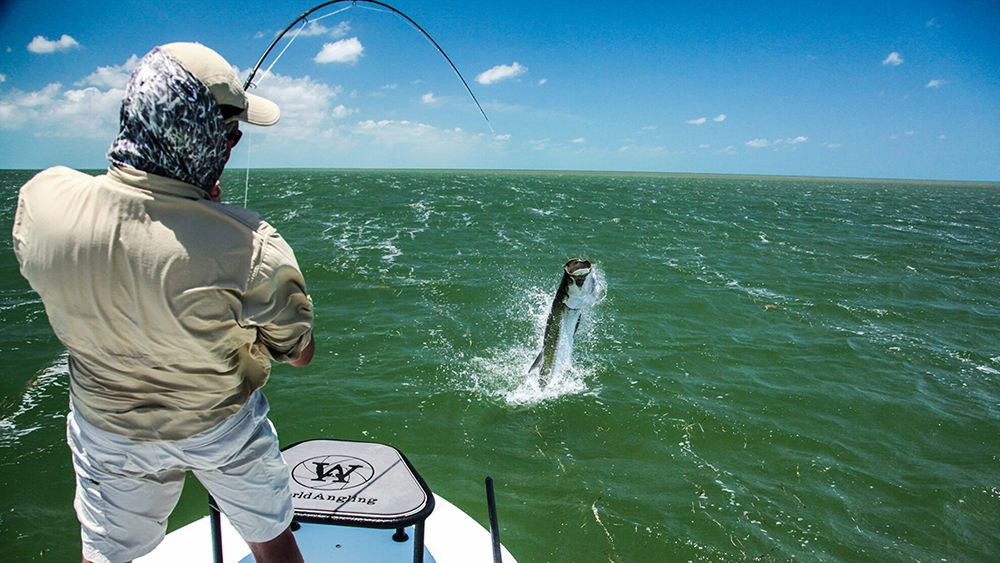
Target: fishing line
246	185
267	71
304	18
305	24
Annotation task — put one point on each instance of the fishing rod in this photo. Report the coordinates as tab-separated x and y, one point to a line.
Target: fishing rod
304	18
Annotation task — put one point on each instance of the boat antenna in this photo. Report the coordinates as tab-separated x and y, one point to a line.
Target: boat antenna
304	18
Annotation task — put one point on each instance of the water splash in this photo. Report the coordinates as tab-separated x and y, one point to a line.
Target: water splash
502	371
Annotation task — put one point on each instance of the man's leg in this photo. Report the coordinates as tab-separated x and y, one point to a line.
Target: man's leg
122	502
282	549
250	485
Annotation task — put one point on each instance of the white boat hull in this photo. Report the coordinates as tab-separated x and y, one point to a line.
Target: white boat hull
450	536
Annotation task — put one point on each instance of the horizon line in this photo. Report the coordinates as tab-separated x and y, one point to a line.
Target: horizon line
629	173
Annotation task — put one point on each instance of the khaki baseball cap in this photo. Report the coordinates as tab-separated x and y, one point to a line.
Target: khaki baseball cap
220	78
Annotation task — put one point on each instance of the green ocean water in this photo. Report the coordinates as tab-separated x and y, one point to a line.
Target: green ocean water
780	369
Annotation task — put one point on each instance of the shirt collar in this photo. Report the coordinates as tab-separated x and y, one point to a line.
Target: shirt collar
155	183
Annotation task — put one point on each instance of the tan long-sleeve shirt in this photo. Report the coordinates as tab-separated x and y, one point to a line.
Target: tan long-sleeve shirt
171	305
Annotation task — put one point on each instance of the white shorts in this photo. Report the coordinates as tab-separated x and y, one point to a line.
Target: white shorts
125	490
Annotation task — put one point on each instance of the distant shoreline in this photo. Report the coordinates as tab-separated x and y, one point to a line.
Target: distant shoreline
612	173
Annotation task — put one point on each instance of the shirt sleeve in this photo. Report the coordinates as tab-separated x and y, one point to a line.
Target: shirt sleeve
276	302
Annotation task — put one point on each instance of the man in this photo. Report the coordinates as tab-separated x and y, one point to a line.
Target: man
172	307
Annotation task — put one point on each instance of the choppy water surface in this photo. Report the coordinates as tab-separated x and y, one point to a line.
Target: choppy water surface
780	369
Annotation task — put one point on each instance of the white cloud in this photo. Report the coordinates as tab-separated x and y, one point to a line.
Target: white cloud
428	98
90	109
390	133
538	144
41	45
542	81
307	106
832	145
114	76
649	127
315	28
893	59
343	51
635	152
501	72
55	112
3	78
936	83
763	143
702	120
314	118
578	140
343	111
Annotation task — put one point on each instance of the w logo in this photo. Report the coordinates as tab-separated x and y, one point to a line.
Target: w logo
333	472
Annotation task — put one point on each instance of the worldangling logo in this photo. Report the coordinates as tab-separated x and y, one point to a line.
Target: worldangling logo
333	473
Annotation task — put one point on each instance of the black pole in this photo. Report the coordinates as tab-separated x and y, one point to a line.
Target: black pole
418	542
491	506
216	522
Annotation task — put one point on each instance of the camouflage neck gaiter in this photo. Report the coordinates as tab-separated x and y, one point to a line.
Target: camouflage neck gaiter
170	124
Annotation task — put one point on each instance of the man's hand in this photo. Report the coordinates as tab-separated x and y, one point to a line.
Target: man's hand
216	192
307	354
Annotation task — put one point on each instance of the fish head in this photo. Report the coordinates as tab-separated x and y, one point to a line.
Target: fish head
578	270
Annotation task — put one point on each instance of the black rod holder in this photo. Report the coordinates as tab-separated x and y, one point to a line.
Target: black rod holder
215	518
491	506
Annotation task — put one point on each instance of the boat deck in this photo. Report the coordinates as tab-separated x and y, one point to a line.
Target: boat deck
451	536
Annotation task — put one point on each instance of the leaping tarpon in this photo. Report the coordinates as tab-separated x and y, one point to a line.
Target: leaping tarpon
577	292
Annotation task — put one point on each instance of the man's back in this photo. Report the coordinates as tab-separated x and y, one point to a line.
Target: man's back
165	300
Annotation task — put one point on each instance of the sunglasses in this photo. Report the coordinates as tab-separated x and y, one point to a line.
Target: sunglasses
233	133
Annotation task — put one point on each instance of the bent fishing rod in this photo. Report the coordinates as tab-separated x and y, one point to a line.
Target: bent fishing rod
305	19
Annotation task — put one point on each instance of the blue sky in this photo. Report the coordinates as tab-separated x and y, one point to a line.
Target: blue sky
856	89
